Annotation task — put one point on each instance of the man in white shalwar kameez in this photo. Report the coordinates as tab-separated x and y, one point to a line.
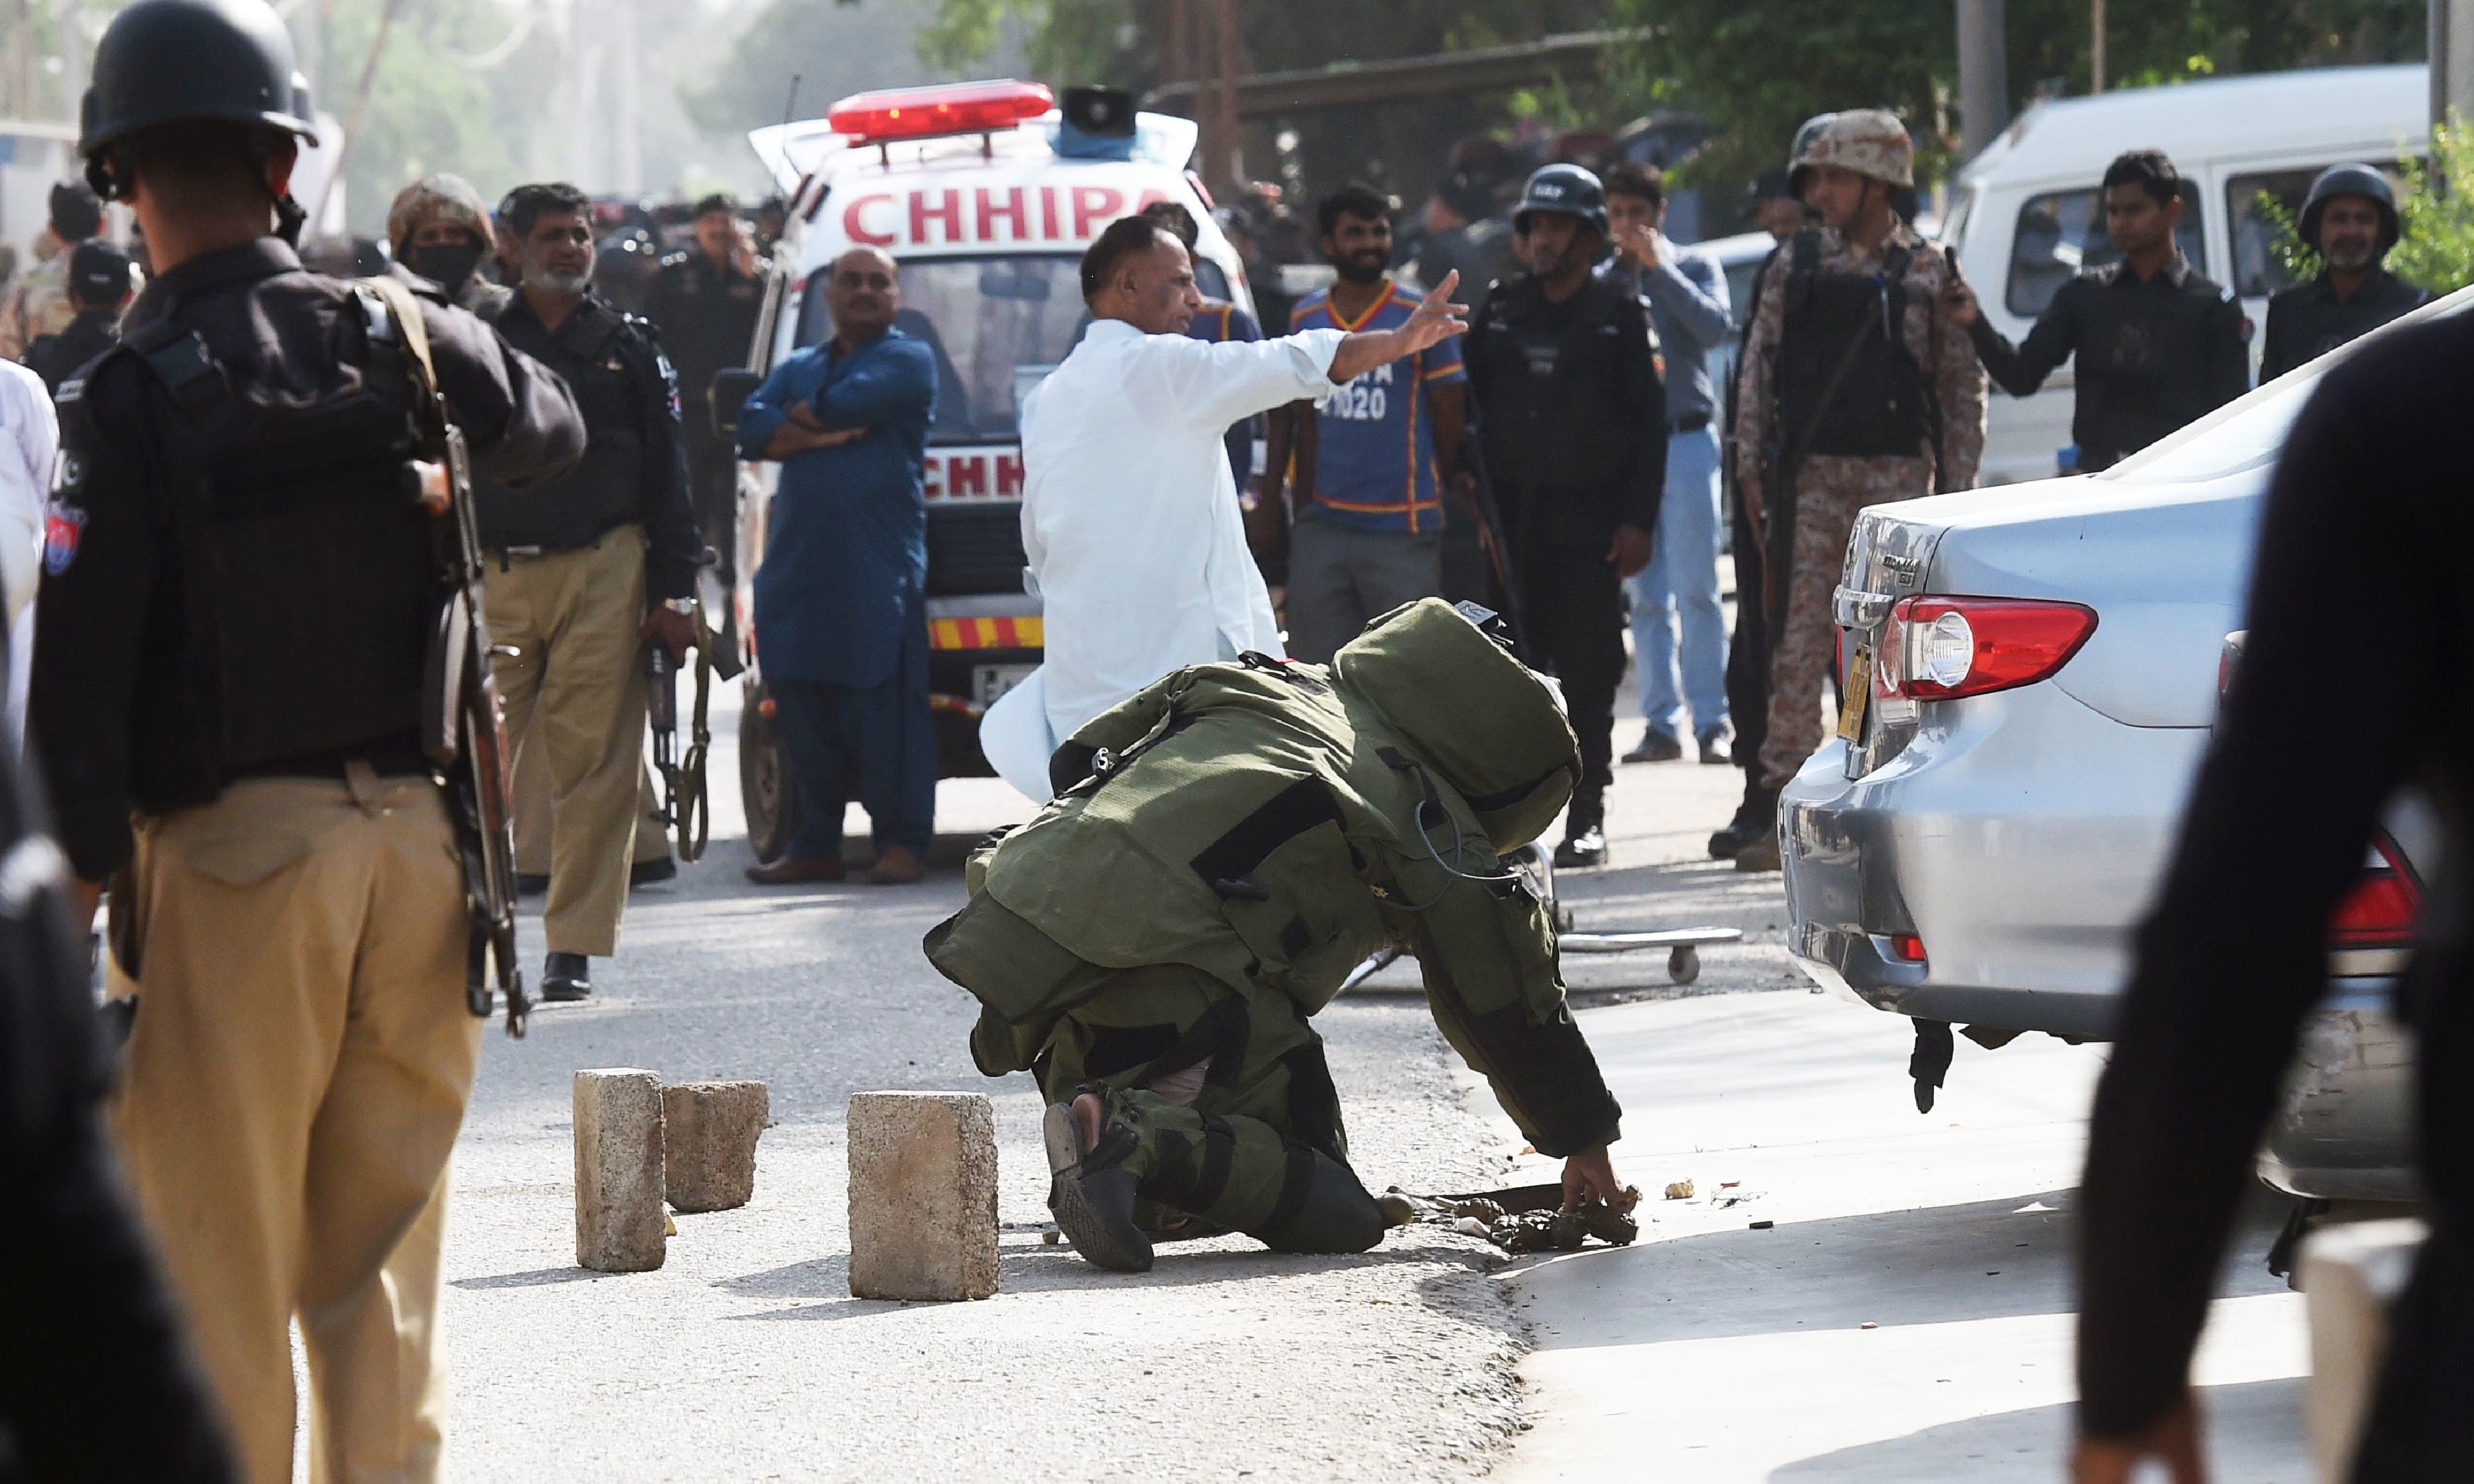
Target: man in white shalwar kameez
1129	514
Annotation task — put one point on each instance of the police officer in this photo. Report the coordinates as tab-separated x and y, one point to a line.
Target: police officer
2350	220
439	228
582	570
1572	417
99	288
1854	389
705	301
240	589
1326	812
2159	344
37	302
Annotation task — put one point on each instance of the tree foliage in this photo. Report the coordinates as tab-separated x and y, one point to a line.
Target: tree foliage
2437	207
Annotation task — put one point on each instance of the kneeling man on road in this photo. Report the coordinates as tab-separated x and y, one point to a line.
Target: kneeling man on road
1226	846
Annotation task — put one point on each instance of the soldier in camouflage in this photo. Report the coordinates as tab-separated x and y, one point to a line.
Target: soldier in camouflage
1227	845
1835	412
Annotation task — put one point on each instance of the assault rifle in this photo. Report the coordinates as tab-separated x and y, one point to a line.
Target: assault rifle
463	727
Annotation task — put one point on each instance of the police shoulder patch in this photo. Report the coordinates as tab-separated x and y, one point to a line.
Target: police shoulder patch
64	525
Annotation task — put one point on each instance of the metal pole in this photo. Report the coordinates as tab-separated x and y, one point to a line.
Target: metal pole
2095	50
627	122
1983	75
2452	58
1231	163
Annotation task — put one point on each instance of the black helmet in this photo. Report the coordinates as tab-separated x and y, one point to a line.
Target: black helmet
2351	180
1567	189
164	61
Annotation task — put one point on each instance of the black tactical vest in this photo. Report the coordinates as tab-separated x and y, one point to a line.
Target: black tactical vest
307	571
603	490
1879	408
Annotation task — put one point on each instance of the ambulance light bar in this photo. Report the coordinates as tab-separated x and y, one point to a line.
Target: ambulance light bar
938	109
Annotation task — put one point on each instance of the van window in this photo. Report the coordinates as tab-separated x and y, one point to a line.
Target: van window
2061	232
983	318
2256	269
989	321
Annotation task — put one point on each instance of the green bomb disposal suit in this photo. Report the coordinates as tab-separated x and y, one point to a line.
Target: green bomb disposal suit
1240	836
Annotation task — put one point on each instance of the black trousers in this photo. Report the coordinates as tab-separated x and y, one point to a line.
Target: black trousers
712	488
2419	1430
1572	625
1748	658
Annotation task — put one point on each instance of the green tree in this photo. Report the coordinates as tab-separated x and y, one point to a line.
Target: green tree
427	108
2435	206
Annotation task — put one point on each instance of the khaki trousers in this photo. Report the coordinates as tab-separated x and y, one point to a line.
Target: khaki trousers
293	1083
532	821
574	692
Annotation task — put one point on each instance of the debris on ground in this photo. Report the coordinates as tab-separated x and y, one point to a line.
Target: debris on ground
1521	1219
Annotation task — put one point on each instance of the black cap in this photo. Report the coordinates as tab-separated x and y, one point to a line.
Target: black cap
167	61
77	211
1568	190
98	275
718	201
2350	181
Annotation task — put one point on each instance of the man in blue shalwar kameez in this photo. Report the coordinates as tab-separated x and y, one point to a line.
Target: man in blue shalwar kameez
841	621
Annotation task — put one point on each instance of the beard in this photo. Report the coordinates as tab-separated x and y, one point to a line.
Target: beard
2352	257
1361	266
543	279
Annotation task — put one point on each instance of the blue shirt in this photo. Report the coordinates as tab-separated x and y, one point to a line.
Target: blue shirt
1687	307
1374	443
1216	323
843	581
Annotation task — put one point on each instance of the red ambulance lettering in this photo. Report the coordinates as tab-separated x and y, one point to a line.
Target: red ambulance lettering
948	209
1095	206
1150	194
1048	212
1007	206
1008	476
967	478
855	226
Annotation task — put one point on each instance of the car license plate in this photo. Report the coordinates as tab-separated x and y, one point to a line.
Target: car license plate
991	680
1859	690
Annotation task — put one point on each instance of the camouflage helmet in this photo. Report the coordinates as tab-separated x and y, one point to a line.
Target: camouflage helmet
1806	133
1871	142
435	198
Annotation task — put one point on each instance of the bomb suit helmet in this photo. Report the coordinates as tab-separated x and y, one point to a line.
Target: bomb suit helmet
2351	180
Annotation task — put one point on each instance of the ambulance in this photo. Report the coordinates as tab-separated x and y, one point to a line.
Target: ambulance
985	194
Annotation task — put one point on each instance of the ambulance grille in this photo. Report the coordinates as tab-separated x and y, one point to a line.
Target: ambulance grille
971	551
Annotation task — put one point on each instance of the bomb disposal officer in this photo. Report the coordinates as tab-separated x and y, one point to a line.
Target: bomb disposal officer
2159	344
1573	420
2350	221
239	588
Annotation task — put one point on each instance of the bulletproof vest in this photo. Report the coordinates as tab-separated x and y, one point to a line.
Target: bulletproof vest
307	571
1878	406
2140	365
600	490
1556	419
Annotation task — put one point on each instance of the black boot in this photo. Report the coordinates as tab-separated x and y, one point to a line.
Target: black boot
1755	816
1090	1191
567	978
1585	835
1759	850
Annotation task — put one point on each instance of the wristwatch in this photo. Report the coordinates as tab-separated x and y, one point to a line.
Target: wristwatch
685	608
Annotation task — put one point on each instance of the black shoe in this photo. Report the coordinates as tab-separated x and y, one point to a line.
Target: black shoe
1755	818
1585	846
566	977
1655	747
531	886
651	873
1093	1207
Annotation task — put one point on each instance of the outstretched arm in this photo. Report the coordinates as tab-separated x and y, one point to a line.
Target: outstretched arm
1435	318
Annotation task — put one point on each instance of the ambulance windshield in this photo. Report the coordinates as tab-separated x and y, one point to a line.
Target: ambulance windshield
995	324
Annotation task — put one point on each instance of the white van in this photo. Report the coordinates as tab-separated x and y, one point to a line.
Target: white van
2026	215
986	204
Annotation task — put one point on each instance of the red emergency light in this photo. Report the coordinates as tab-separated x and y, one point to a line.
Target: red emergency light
938	109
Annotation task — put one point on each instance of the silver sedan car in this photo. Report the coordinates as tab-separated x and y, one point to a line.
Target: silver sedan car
2033	671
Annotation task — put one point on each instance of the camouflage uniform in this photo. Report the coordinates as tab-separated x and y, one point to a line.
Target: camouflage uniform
1830	489
37	305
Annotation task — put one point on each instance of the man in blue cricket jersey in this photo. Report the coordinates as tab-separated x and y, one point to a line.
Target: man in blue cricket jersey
1367	467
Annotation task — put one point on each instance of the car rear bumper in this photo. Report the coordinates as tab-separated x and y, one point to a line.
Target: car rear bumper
2343	1129
2016	838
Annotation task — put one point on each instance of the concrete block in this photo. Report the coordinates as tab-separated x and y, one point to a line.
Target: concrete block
923	1195
709	1133
2351	1273
619	1217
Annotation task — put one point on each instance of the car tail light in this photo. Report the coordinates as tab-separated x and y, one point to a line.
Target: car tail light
1937	648
2379	910
939	108
1908	947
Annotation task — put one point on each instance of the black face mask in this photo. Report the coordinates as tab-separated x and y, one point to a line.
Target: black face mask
447	264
